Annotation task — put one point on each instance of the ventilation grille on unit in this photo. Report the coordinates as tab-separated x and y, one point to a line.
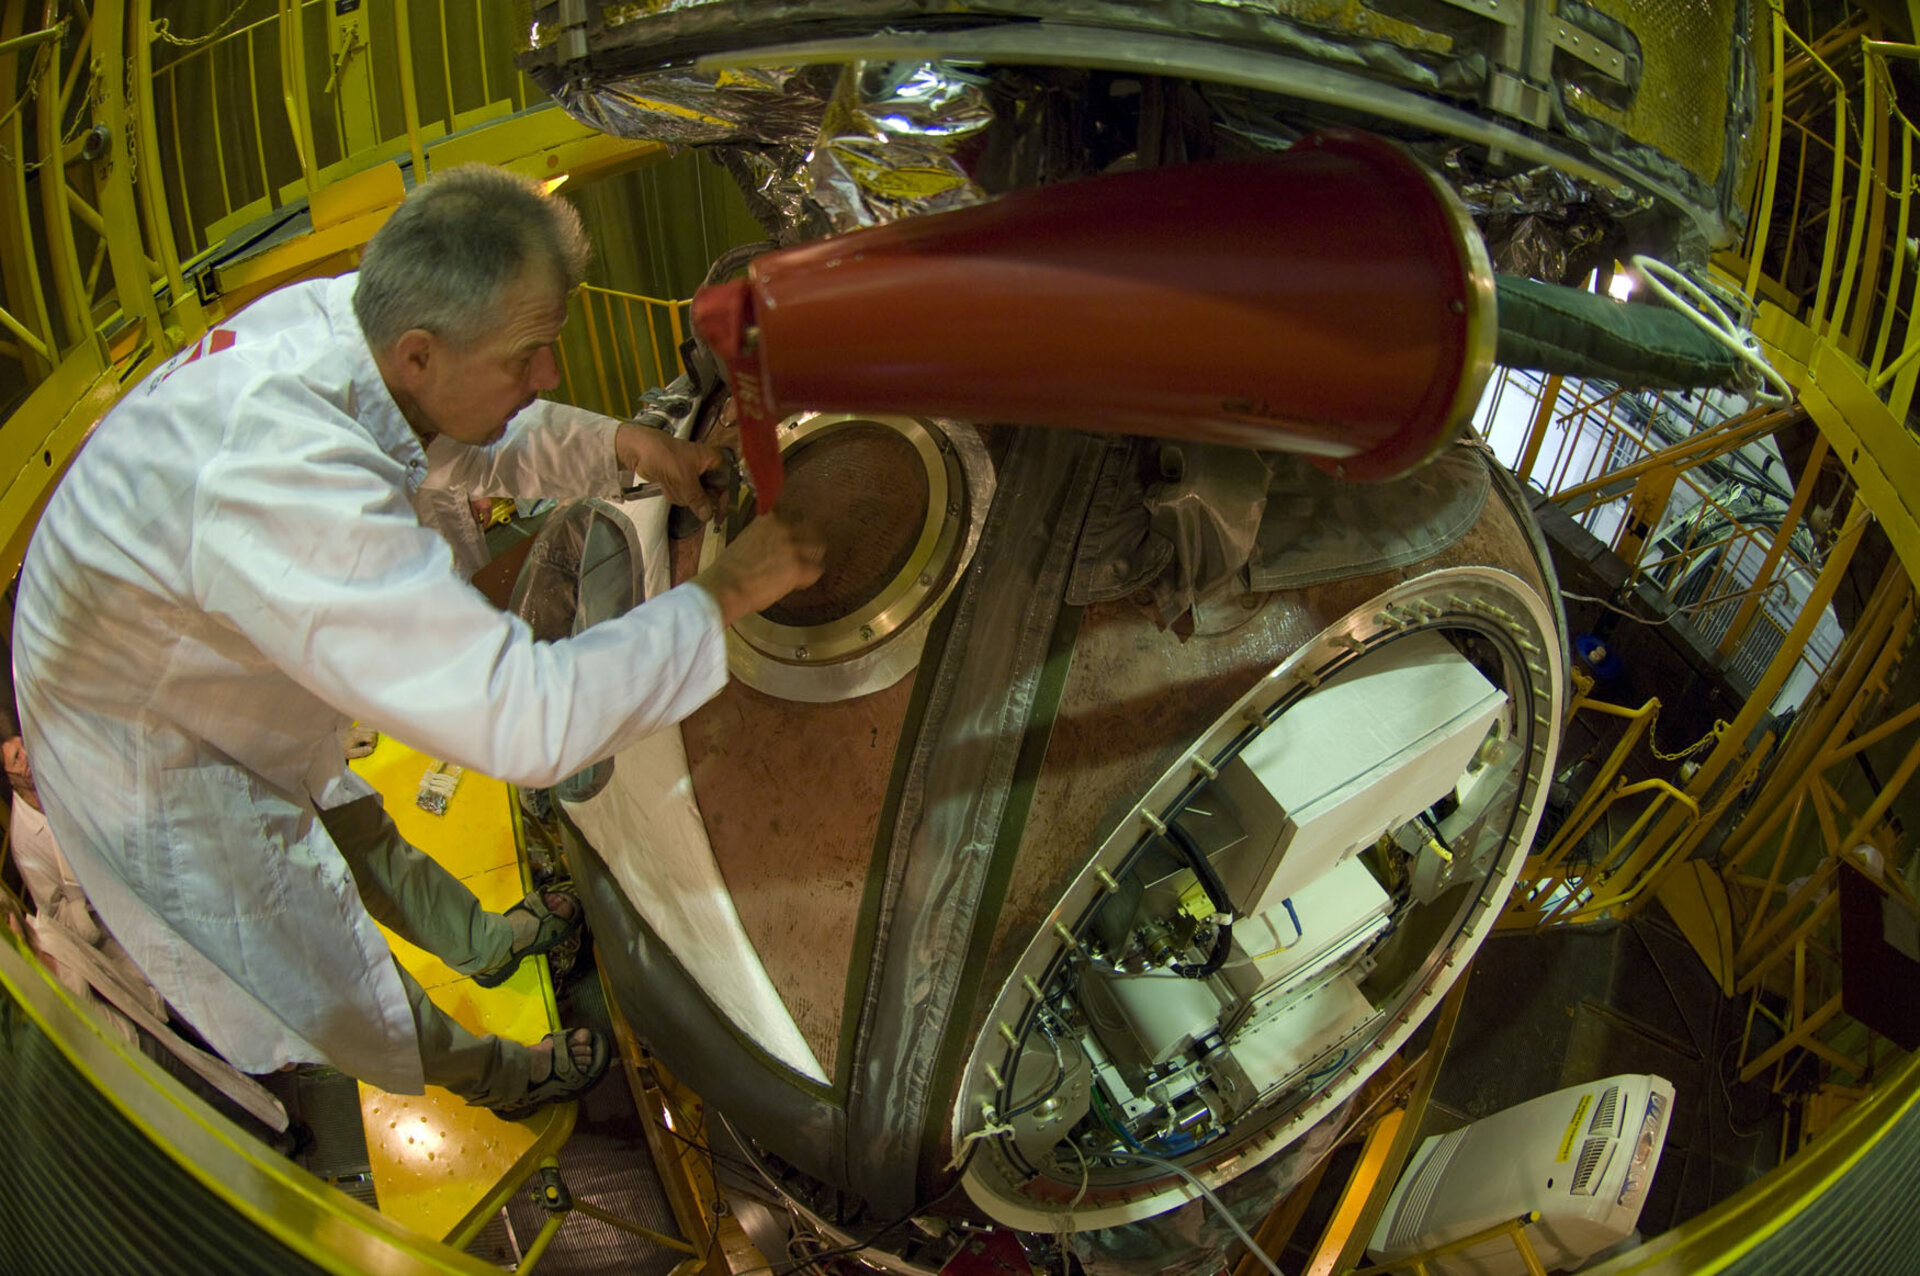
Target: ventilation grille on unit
1593	1157
1413	1206
1603	1115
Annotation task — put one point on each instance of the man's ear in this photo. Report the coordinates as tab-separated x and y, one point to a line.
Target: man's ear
414	352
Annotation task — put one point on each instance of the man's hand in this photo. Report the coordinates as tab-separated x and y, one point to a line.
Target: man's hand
675	464
766	562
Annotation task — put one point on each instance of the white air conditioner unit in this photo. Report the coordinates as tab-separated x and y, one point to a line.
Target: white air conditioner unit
1582	1157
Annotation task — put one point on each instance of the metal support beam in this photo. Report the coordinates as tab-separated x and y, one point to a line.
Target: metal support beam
113	178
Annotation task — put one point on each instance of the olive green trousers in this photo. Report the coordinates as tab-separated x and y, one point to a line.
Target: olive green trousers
410	894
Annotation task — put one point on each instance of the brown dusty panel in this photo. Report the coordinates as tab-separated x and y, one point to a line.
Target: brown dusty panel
1680	104
791	794
1137	696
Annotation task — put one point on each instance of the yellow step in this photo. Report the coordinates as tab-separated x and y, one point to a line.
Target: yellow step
439	1162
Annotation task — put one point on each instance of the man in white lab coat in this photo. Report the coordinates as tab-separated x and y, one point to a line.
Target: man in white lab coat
242	561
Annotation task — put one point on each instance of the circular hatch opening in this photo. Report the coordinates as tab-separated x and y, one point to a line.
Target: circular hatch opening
899	502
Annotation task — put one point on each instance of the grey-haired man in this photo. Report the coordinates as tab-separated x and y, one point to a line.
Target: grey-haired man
244	559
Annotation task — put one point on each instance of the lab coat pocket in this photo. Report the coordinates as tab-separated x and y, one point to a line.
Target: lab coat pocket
226	846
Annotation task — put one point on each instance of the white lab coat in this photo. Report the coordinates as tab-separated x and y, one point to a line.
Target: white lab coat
234	570
61	905
51	886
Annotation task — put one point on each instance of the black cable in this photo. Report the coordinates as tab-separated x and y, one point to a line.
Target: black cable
714	1159
1216	958
1059	1077
1217	892
1202	867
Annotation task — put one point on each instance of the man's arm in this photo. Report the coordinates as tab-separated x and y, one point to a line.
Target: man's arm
550	449
675	464
323	566
556	450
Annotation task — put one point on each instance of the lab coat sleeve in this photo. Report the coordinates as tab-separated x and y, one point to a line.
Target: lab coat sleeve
313	553
549	450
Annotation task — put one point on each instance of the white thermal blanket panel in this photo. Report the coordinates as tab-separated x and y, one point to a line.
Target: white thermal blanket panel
647	827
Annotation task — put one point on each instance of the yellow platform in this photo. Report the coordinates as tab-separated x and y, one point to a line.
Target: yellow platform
439	1163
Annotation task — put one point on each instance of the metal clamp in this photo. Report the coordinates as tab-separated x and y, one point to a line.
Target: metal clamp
549	1192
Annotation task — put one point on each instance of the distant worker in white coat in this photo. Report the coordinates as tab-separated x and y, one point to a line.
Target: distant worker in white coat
244	559
63	922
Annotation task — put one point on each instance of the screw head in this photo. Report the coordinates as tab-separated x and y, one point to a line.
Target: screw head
799	653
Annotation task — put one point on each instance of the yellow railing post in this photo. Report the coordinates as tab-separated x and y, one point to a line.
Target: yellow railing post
1866	661
24	312
1732	744
355	113
293	88
1537	432
1822	322
1838	329
151	186
113	175
409	102
1900	255
70	288
1763	223
1904	370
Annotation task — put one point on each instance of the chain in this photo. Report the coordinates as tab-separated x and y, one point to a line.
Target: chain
81	118
1719	729
132	116
159	29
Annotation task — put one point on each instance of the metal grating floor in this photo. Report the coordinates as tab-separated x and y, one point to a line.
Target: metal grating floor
606	1163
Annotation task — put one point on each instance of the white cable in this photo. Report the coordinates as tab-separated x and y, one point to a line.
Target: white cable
1204	1190
965	1147
1662	279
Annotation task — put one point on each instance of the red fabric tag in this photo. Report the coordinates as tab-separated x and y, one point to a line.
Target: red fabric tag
759	444
723	316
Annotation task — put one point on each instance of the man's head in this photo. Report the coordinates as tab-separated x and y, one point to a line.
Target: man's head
13	754
462	294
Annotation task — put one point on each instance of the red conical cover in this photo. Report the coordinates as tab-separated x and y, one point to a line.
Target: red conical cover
1332	300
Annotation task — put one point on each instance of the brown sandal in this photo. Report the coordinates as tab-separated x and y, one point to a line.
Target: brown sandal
551	930
567	1080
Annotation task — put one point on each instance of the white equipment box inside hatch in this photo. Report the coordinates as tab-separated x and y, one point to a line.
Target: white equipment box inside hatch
1365	753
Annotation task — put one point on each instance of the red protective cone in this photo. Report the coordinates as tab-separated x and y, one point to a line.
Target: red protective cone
1333	300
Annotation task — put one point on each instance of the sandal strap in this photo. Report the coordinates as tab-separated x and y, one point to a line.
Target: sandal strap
549	932
550	928
566	1079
